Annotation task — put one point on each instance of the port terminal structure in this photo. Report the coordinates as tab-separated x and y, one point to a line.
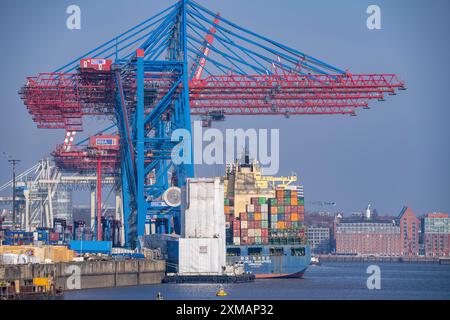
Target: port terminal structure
184	62
38	191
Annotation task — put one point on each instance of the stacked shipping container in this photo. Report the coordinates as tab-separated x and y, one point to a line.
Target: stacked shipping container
268	220
286	216
254	223
230	228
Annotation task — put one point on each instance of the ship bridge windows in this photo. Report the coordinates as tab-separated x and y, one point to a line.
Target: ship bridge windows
234	252
276	251
297	251
255	251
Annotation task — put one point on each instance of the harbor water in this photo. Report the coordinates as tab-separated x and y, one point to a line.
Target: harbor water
331	280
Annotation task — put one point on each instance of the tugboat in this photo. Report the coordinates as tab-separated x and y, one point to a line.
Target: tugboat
35	289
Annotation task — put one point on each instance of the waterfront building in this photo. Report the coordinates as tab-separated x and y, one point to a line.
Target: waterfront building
436	234
319	239
356	236
409	232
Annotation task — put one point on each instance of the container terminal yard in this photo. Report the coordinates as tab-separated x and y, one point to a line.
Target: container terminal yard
185	63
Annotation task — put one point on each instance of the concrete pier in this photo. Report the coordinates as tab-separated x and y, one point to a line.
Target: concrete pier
90	274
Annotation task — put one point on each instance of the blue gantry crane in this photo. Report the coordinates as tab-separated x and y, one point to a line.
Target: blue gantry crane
185	61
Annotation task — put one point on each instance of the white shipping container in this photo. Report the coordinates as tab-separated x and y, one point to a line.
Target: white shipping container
201	256
251	232
243	224
237	241
250	208
9	258
12	258
202	204
257	232
264	208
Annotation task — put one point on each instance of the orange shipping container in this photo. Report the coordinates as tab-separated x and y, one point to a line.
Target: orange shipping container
226	209
257	216
294	201
280	225
294	217
273	210
280	194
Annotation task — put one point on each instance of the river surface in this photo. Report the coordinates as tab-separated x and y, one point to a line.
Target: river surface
331	280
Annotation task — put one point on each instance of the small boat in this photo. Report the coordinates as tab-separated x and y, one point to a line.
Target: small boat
221	292
33	289
159	296
315	261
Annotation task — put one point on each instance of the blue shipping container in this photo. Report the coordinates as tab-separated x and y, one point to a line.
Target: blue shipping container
89	246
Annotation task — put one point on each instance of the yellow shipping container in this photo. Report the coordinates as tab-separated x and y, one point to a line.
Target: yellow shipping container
280	225
257	216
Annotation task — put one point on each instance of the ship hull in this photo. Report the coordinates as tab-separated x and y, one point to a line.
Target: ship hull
288	262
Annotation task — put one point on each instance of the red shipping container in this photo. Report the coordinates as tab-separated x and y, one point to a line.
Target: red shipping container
287	209
254	201
243	215
294	208
257	224
288	224
54	236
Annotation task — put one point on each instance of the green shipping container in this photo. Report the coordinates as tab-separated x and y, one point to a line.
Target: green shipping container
262	200
301	201
287	200
280	209
226	201
273	201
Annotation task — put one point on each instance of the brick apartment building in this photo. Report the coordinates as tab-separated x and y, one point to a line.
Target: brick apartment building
436	234
367	237
409	232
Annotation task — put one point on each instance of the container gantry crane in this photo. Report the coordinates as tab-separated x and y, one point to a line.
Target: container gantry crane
187	61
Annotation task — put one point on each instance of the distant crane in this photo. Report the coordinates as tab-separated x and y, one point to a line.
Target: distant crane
322	203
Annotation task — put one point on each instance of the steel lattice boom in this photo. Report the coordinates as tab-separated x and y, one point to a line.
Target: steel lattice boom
185	61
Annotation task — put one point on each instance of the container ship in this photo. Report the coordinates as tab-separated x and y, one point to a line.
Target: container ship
264	216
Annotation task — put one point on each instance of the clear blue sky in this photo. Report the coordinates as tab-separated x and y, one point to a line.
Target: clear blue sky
394	154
